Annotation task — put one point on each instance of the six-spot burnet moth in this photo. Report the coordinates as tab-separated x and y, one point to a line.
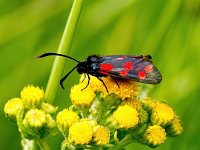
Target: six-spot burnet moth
136	68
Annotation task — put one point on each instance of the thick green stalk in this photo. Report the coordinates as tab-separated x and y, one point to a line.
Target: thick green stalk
124	142
64	47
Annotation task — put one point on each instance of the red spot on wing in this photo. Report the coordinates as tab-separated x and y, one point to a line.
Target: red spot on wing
123	73
128	65
107	67
148	69
141	74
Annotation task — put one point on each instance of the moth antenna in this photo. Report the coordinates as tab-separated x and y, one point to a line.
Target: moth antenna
56	54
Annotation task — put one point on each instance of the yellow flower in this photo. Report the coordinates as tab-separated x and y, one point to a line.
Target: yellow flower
101	135
12	107
126	88
35	118
65	119
126	117
148	103
162	114
81	132
95	83
48	108
155	135
133	102
175	127
32	97
81	97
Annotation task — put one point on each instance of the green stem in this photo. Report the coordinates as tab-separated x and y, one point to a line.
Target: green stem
124	142
64	47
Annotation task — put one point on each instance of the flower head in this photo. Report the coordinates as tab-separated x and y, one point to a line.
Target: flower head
175	127
162	114
95	83
32	97
81	132
12	107
125	89
65	119
101	135
80	96
148	103
133	102
48	108
126	117
35	119
155	135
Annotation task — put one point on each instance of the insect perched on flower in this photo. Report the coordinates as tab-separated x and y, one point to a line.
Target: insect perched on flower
136	68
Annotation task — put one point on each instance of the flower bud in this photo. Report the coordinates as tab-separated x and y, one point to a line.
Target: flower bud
126	117
143	115
80	96
148	103
155	135
50	122
48	108
101	135
35	119
81	132
32	97
175	127
12	108
162	114
65	119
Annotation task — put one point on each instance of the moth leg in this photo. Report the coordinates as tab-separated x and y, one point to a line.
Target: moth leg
83	78
115	81
87	83
103	84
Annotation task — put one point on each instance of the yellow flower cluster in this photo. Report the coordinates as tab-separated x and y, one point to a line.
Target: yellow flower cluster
123	88
81	131
31	112
99	117
164	122
99	113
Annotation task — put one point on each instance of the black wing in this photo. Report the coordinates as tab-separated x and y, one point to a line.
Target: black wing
136	68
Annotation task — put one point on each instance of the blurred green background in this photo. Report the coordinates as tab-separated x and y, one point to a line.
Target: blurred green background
168	30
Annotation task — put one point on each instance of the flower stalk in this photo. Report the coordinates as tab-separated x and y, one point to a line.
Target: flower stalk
64	47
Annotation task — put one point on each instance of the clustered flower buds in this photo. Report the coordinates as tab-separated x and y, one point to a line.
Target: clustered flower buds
31	113
97	118
101	118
